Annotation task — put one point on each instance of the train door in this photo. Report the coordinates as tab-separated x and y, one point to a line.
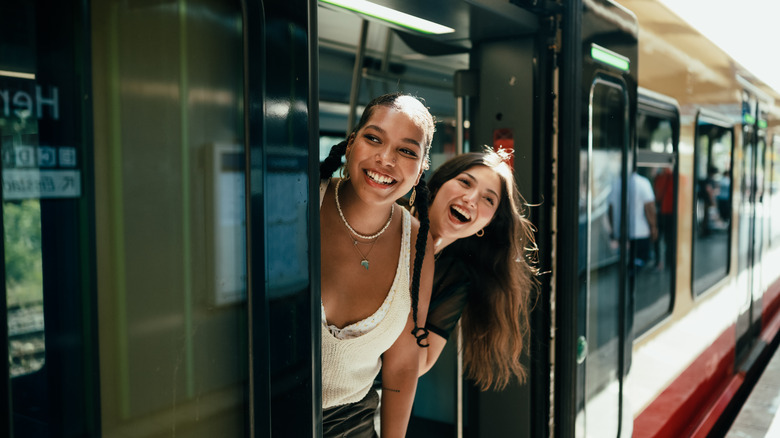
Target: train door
760	208
773	161
160	276
606	190
751	221
772	211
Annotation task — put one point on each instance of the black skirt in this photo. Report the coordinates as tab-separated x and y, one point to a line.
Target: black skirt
355	420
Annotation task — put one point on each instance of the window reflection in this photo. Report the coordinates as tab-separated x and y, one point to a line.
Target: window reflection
21	211
652	272
712	208
171	219
24	285
773	190
601	207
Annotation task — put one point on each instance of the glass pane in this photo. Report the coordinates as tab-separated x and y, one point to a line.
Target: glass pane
774	191
21	211
24	286
654	261
171	218
712	219
47	247
25	166
759	226
603	288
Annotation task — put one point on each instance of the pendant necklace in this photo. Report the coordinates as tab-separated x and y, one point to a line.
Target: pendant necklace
363	257
354	235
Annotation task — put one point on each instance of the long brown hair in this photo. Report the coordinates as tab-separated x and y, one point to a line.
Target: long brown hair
503	277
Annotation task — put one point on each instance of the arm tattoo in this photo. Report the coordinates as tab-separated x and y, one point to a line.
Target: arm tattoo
390	389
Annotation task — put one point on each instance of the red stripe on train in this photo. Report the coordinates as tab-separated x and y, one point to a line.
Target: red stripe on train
678	410
772	300
694	401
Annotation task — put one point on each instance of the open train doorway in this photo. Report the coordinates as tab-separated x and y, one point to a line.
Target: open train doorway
486	75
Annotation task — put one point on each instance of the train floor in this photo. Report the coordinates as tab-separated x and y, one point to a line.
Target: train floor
760	415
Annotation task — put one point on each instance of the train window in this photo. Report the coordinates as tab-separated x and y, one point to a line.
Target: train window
47	247
653	268
21	211
773	189
24	285
712	197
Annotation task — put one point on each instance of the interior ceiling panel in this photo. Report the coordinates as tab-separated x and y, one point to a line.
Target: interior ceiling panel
473	21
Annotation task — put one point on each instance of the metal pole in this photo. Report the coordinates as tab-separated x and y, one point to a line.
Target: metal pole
459	409
356	75
459	128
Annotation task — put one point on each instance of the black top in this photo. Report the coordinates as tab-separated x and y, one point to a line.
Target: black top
451	284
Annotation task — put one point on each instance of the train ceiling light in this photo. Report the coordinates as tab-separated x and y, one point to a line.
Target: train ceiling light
391	16
609	57
16	74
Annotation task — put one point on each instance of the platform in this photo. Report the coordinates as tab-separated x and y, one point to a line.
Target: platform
760	415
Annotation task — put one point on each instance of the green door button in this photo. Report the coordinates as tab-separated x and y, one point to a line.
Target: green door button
582	349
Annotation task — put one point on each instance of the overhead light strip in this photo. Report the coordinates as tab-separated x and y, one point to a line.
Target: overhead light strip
609	57
391	16
16	74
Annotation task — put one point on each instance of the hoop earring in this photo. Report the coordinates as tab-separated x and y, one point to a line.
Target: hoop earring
345	169
481	232
345	166
414	195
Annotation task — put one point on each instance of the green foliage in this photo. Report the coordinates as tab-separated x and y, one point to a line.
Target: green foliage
23	259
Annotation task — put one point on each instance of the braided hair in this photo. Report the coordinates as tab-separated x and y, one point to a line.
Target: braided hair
421	333
333	161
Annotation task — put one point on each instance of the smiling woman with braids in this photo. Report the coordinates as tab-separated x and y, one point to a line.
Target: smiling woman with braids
484	274
374	300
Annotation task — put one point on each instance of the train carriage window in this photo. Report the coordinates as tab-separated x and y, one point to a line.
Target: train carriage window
773	190
21	211
653	268
712	197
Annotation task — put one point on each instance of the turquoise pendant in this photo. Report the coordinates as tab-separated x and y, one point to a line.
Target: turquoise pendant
364	263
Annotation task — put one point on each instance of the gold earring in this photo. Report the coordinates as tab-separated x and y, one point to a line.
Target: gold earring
414	195
481	232
345	169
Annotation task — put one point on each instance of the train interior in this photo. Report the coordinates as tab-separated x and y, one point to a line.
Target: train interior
481	81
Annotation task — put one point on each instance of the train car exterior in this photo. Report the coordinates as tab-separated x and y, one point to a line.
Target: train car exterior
722	304
160	158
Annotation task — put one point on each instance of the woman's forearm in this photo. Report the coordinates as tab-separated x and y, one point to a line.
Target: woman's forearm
397	399
429	356
399	381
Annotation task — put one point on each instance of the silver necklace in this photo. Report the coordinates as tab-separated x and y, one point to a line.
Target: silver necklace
363	257
352	230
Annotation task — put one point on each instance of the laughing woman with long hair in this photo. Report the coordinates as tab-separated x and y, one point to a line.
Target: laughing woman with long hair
485	275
